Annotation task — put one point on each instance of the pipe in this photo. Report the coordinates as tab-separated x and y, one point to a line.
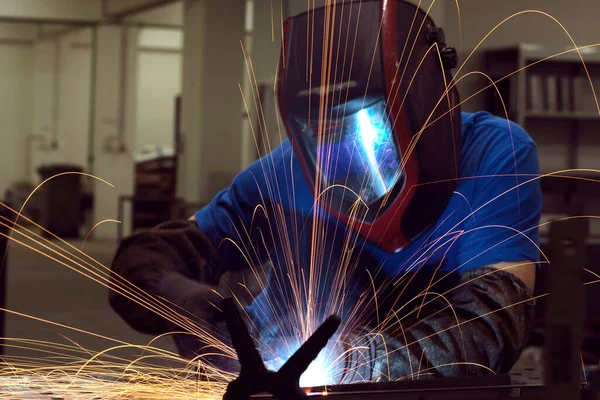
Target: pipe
123	91
56	95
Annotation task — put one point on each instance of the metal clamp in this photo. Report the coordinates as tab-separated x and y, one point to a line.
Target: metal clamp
254	377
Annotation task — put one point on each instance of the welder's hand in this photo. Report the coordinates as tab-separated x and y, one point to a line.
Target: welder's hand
193	299
174	261
200	326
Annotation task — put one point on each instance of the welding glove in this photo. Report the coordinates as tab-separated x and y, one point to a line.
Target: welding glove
174	261
482	332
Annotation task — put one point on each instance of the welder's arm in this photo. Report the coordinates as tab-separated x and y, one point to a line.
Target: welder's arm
484	330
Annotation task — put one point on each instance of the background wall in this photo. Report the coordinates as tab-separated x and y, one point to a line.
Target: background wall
158	83
61	106
479	17
58	101
16	87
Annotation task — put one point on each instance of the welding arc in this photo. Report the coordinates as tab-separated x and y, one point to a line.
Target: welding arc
301	359
254	377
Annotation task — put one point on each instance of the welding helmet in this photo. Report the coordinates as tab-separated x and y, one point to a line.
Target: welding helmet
362	90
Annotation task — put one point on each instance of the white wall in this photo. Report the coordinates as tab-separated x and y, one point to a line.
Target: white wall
16	69
156	97
62	101
43	112
478	17
16	66
160	39
75	95
158	83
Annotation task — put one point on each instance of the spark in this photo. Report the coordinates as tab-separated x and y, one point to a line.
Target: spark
95	226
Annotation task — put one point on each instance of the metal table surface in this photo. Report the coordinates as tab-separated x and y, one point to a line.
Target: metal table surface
522	384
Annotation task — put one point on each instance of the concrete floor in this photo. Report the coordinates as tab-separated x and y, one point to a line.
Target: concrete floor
43	288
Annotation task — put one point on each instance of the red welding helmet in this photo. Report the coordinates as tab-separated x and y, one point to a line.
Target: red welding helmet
362	91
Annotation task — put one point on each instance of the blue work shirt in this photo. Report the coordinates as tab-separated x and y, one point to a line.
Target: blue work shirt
268	214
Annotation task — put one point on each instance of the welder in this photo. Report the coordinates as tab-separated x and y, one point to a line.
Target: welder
414	221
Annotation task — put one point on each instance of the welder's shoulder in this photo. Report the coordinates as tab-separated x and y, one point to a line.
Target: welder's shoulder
486	129
252	186
266	171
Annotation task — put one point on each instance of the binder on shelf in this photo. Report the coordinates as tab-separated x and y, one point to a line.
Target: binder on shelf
536	93
583	95
551	92
565	94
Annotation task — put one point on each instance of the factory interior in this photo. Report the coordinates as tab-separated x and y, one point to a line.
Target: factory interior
136	112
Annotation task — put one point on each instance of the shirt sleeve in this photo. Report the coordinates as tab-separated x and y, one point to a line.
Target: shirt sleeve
506	204
233	220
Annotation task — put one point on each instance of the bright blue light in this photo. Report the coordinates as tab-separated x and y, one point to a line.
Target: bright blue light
371	137
318	373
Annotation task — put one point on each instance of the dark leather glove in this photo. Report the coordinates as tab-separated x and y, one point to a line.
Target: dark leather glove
174	261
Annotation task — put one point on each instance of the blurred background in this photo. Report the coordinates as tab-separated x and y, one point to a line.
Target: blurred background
147	95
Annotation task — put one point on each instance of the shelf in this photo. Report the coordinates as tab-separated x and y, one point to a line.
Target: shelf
529	53
591	241
533	52
562	115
